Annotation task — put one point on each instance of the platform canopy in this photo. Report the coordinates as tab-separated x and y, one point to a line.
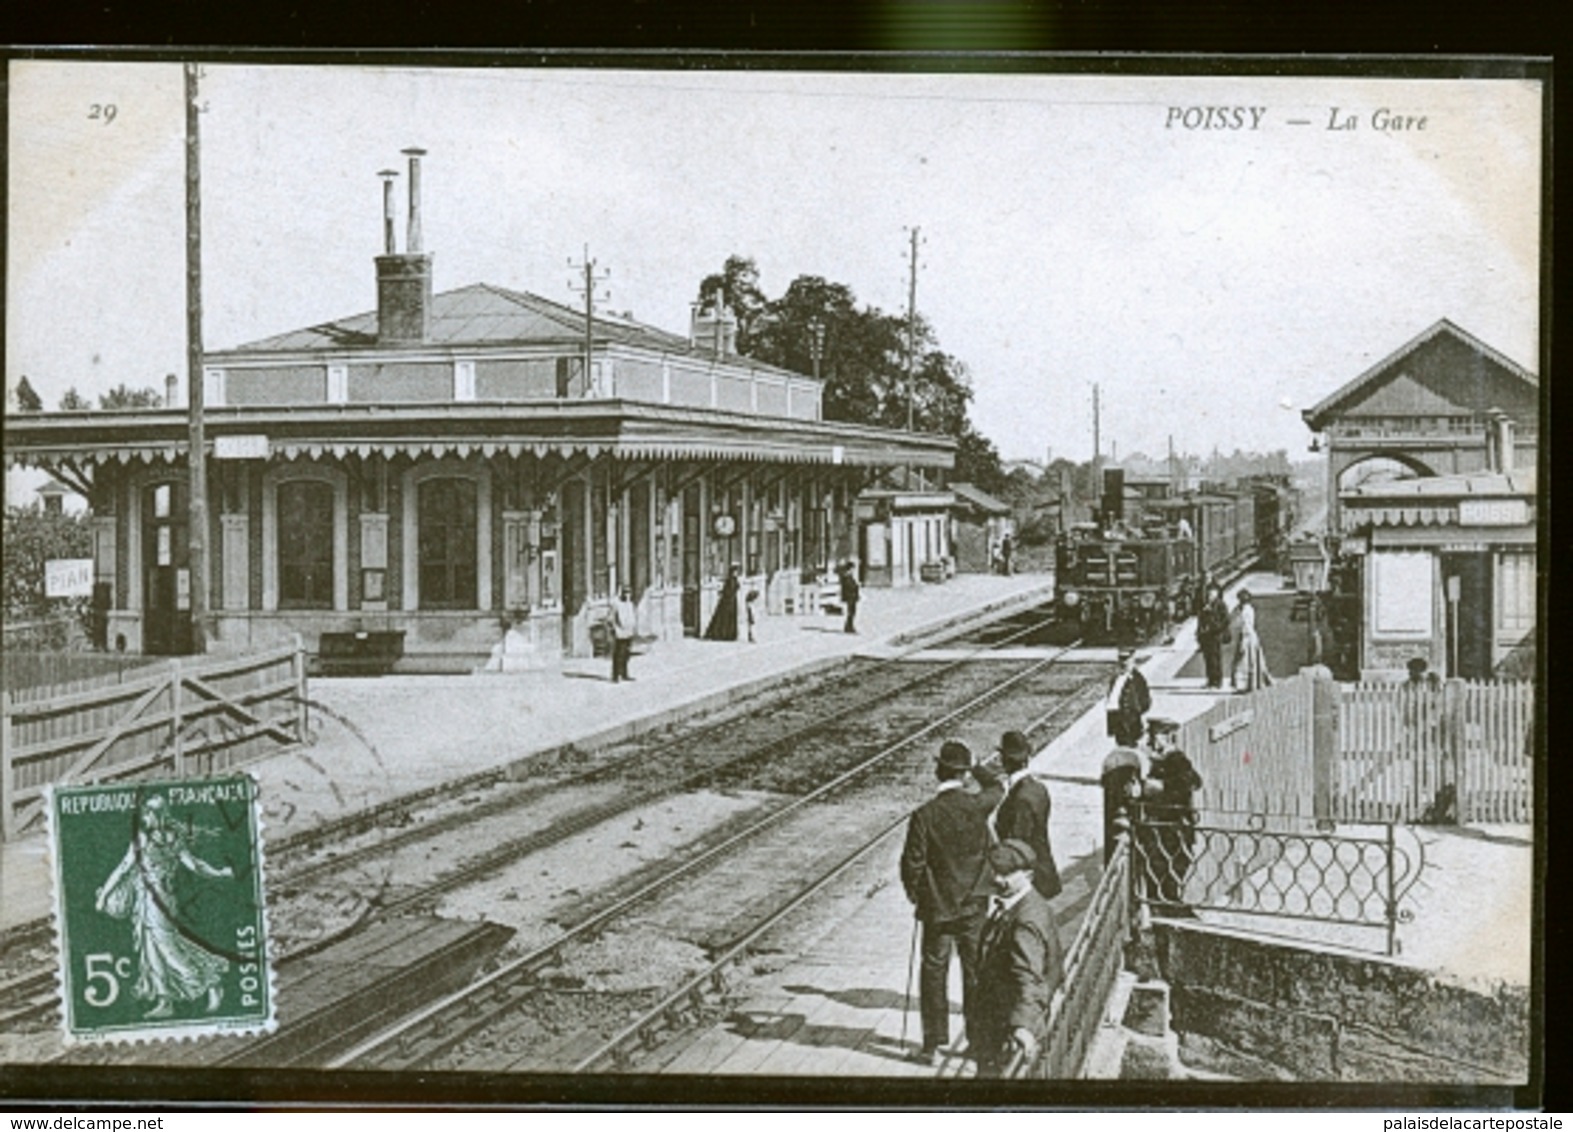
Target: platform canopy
621	429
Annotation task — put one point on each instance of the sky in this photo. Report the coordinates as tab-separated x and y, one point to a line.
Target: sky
1211	281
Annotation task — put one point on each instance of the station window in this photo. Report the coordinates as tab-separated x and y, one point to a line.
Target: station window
305	544
446	543
1516	592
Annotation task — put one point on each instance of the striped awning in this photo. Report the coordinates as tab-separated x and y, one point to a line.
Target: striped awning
1357	517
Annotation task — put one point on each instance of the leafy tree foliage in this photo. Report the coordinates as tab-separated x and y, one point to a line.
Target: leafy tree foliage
736	287
123	396
32	537
863	361
27	399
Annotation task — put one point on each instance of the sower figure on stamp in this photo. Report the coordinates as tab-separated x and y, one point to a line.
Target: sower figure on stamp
170	965
1128	701
945	871
1023	812
1020	964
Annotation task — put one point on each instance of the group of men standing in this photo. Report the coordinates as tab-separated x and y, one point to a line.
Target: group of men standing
980	873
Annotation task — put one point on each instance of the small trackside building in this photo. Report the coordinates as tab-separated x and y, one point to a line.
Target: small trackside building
1443	559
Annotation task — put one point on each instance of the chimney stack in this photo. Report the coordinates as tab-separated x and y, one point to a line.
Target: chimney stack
1503	428
169	391
412	242
403	281
713	327
388	245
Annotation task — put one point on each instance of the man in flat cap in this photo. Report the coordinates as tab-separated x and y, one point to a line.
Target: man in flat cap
1024	811
1020	964
1128	701
945	871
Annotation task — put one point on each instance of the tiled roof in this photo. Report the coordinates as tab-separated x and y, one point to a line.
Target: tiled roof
979	498
485	315
1471	484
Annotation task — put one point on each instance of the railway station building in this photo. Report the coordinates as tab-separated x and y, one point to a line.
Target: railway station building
450	466
1442	539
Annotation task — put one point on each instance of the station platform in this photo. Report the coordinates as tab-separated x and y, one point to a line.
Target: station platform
380	738
843	1008
837	1009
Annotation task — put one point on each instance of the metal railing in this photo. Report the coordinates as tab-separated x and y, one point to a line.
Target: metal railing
1289	870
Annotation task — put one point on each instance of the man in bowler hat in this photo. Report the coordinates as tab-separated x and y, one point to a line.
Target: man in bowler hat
1020	963
1023	813
945	871
1128	701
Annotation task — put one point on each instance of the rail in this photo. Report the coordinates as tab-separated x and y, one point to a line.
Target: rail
497	982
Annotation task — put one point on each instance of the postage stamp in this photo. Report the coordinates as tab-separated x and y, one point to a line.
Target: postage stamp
159	909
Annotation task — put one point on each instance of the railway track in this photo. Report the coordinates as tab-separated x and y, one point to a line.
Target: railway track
554	807
511	1019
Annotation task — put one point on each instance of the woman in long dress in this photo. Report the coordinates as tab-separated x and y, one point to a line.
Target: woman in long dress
1250	662
723	622
171	965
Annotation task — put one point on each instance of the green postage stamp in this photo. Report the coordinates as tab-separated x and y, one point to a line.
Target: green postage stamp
159	910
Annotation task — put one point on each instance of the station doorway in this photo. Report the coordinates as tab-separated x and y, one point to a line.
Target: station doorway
166	579
1467	587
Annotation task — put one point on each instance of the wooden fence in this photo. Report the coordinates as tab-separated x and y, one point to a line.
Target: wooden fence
1462	749
1254	752
1372	752
35	675
187	718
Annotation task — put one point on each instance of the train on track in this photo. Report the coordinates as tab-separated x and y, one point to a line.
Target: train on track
1142	563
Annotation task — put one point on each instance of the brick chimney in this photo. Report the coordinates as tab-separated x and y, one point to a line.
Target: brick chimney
713	328
403	281
1502	441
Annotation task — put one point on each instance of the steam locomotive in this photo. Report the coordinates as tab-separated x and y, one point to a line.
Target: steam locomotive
1142	563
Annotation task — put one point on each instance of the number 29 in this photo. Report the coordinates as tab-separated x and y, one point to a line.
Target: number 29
102	112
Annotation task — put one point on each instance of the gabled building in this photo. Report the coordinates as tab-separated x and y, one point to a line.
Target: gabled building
1446	555
447	462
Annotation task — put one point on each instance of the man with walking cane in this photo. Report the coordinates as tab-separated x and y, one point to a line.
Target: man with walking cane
945	872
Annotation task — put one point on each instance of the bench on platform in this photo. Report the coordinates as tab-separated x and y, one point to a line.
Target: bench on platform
359	653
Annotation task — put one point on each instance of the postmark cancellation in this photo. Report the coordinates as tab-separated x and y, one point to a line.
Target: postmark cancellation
159	910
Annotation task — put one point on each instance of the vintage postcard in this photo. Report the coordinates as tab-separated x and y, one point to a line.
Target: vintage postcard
990	574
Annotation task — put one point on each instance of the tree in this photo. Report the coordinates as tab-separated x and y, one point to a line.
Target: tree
27	400
123	396
74	402
978	462
32	537
736	287
864	362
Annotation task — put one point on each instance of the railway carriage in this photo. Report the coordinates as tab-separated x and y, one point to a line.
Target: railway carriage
1130	575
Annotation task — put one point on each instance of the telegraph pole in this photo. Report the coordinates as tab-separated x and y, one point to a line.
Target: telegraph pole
1097	447
196	450
588	286
912	327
